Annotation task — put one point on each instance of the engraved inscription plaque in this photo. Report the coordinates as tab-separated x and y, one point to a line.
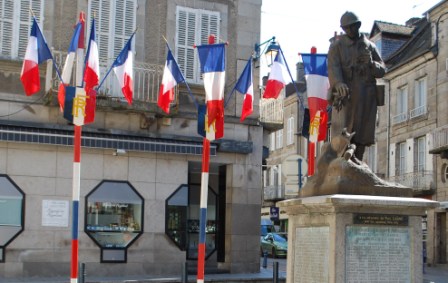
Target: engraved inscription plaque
377	254
311	254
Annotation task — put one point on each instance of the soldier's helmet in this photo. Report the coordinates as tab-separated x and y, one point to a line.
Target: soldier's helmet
349	18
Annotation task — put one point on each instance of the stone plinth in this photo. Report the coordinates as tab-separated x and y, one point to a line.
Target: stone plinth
355	238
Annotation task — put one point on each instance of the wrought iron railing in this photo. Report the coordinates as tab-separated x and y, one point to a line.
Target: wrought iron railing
419	111
147	79
440	138
423	180
399	118
271	111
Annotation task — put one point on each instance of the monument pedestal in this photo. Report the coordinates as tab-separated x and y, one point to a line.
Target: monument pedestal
355	238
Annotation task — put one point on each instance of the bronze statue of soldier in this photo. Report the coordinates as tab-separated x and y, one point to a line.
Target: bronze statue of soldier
354	64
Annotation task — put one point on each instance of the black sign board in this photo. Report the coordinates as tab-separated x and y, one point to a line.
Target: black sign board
380	219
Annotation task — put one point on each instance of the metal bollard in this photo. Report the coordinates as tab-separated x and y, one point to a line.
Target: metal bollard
275	272
265	259
185	272
82	273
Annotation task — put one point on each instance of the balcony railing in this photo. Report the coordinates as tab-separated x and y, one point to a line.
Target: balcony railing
419	181
439	140
147	79
416	112
399	118
275	192
271	112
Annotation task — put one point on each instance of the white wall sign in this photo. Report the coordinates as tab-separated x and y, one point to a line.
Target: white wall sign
55	213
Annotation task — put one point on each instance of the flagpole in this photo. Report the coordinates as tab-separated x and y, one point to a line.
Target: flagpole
204	198
311	145
77	165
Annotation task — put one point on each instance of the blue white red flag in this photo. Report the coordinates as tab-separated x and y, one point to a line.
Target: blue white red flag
317	86
79	107
172	76
123	68
37	52
277	77
246	87
213	62
76	42
92	70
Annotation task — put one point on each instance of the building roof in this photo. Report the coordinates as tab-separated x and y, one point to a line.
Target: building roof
419	43
384	27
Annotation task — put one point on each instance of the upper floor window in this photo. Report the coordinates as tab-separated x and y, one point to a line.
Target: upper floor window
421	153
15	25
290	131
116	21
401	106
401	155
419	98
279	142
193	26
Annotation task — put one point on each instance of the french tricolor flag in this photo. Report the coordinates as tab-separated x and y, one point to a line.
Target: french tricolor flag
213	67
76	42
277	77
37	52
245	86
92	70
123	68
172	76
317	85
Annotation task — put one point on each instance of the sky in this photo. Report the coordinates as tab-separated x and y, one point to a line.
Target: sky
298	25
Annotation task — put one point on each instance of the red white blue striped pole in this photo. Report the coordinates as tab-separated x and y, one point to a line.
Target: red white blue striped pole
203	200
76	183
75	202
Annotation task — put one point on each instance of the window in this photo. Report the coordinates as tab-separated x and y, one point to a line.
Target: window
401	155
193	26
114	218
279	143
12	205
115	23
272	142
290	131
401	106
444	173
15	25
419	99
182	219
421	152
371	157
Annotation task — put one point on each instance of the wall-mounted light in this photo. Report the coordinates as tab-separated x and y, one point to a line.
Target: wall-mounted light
270	50
119	151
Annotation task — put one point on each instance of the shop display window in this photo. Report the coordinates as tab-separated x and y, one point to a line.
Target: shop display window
114	218
182	219
12	205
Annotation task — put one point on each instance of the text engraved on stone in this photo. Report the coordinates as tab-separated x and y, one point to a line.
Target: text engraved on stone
380	219
377	254
311	253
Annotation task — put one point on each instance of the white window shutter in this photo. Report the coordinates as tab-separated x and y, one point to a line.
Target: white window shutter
409	155
392	154
428	157
185	53
6	27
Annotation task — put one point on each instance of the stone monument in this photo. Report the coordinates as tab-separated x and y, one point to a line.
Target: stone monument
349	225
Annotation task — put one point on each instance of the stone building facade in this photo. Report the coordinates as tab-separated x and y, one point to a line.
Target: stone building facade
135	159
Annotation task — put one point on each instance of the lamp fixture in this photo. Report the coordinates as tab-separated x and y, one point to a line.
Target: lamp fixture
270	50
119	151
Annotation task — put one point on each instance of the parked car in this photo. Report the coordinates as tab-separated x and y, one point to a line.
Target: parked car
274	244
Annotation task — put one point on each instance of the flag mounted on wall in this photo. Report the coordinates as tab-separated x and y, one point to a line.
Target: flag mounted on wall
317	86
76	42
172	76
124	69
92	66
212	58
277	77
37	52
245	86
